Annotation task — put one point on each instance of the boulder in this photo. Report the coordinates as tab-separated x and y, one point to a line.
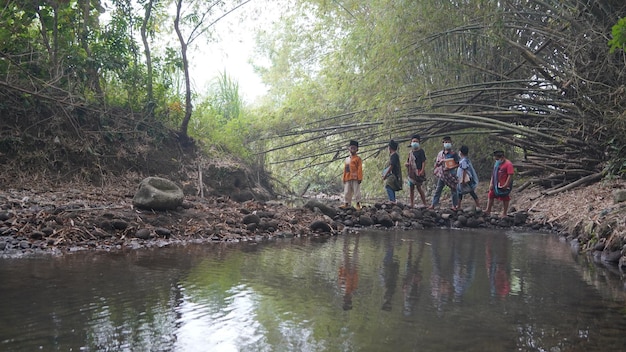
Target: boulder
158	194
320	226
519	218
251	219
619	196
365	220
384	219
325	209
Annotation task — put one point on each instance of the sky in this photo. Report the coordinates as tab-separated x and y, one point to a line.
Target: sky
233	51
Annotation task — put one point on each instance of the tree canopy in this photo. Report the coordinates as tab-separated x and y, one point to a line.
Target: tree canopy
536	75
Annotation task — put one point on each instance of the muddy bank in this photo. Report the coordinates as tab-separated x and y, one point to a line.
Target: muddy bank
99	219
49	222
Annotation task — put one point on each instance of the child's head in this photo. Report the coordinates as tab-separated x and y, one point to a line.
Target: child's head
498	155
415	141
447	142
393	145
464	150
353	147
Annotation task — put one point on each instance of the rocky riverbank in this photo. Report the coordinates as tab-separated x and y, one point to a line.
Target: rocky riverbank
97	219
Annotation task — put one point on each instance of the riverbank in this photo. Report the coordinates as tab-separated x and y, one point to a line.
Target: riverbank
592	218
103	219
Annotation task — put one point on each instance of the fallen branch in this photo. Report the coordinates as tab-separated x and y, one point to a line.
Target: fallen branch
580	182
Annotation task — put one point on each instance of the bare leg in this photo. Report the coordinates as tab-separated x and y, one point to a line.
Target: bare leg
422	194
489	205
412	195
505	207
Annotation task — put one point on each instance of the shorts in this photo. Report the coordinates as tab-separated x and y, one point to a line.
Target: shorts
492	195
417	181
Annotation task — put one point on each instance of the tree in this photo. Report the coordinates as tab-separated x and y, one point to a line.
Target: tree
197	17
516	71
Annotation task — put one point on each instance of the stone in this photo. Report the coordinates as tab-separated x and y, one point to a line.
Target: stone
119	224
462	219
163	232
325	209
37	235
320	226
619	196
519	218
396	216
242	196
385	220
158	194
472	222
251	219
143	234
365	220
611	256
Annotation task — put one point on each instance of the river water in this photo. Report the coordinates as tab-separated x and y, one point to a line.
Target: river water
435	290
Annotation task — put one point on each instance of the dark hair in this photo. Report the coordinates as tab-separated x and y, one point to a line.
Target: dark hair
498	153
354	143
447	138
393	144
464	150
416	136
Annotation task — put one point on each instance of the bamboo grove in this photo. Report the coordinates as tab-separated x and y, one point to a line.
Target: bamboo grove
535	75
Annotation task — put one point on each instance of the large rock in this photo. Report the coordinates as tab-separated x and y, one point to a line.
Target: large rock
159	194
325	209
619	196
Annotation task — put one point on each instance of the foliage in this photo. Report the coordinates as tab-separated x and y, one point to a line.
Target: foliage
513	75
222	120
619	36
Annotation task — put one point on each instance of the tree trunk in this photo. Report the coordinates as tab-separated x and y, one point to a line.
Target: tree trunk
184	126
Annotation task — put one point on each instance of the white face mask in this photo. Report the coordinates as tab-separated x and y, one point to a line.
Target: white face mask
415	145
447	145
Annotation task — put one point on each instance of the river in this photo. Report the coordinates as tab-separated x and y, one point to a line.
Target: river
432	290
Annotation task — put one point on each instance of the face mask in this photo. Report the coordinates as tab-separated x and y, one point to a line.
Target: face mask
415	145
447	145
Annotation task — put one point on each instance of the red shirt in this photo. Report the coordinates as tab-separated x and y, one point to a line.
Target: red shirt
504	171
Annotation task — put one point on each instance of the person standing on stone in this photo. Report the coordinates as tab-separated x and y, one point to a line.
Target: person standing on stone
392	175
352	177
467	176
501	182
416	165
445	170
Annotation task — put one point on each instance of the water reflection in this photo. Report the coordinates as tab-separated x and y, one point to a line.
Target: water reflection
373	291
348	271
412	282
497	265
389	273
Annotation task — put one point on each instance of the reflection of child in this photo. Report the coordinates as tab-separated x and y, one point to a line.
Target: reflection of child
352	177
348	273
497	272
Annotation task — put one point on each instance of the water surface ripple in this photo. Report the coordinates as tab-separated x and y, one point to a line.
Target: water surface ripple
436	290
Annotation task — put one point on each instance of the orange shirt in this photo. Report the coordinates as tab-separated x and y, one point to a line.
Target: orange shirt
353	168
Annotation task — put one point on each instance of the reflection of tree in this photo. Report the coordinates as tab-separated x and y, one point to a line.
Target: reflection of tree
413	278
464	269
496	262
391	269
348	272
